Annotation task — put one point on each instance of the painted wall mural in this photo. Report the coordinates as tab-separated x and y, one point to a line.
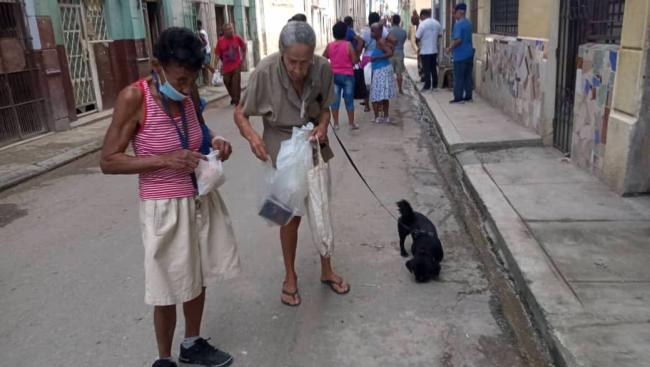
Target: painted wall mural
513	79
593	99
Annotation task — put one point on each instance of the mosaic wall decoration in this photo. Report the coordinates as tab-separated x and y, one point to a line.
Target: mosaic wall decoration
512	78
593	99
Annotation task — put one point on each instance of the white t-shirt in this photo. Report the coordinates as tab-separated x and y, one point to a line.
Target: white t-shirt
427	33
207	40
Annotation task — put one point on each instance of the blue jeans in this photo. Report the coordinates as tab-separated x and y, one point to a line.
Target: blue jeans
343	83
463	79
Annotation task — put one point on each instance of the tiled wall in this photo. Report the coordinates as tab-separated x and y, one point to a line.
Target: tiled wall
513	74
593	100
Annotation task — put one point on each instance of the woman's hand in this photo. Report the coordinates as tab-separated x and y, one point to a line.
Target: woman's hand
258	147
319	133
223	146
182	160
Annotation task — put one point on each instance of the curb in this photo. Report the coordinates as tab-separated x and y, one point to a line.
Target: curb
49	164
469	165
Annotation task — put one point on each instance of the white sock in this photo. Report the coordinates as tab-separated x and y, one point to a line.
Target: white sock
189	342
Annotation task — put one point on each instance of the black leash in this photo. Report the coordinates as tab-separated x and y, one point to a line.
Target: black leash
347	154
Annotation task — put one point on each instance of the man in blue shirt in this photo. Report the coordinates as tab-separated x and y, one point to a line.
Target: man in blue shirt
463	55
352	37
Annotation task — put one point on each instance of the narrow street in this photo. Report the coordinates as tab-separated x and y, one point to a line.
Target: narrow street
71	275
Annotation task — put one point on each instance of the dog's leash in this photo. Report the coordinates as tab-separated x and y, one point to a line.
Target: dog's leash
365	182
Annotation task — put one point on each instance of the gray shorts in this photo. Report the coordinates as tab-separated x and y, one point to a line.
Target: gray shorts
397	62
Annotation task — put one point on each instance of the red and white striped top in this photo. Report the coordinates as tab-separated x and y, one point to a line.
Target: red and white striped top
158	136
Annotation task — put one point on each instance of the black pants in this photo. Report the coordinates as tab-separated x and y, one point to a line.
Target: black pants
430	70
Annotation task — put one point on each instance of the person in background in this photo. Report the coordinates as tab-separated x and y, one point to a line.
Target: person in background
415	21
352	37
288	89
463	54
298	17
382	88
207	61
397	60
231	50
188	239
427	36
342	58
369	47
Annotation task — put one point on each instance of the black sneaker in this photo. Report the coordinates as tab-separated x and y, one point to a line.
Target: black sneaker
164	363
470	100
202	353
457	101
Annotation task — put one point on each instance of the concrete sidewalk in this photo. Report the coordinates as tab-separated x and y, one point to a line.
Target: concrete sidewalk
578	253
27	159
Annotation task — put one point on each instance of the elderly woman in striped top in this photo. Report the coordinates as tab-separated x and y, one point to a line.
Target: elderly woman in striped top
188	240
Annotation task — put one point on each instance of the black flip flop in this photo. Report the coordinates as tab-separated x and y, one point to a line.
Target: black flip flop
293	295
331	284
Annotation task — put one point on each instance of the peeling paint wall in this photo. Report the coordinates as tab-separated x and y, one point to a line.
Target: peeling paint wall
513	77
593	101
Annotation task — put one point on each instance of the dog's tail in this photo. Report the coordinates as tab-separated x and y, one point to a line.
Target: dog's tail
405	209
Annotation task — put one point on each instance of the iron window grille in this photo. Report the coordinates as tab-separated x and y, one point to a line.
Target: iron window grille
605	20
504	17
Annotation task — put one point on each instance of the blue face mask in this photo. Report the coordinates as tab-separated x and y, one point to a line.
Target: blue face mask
167	89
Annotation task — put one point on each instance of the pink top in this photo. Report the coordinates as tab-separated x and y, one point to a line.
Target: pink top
339	55
158	136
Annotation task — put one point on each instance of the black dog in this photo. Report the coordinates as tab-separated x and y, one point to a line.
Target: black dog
426	249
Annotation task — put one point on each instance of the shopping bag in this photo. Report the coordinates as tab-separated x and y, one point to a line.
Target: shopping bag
360	90
286	186
367	73
217	79
209	173
318	206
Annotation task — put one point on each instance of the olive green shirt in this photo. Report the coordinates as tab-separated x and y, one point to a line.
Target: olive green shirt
270	94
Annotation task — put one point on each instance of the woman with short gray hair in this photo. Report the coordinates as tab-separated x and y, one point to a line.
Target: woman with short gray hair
289	89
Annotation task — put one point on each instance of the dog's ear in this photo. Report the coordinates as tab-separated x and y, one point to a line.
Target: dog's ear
410	265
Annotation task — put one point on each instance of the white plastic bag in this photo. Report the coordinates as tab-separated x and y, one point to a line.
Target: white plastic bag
209	174
217	79
318	207
367	73
286	189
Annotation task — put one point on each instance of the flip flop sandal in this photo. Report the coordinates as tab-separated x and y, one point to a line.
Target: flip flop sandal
332	283
293	295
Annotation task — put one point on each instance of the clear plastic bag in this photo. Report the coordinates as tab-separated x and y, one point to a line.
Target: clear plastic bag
286	186
209	174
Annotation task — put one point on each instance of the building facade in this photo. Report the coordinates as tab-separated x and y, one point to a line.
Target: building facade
575	72
61	60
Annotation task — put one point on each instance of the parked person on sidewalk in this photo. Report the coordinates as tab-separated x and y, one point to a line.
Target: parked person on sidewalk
342	58
188	240
231	50
353	37
463	55
397	60
427	36
288	89
382	88
207	62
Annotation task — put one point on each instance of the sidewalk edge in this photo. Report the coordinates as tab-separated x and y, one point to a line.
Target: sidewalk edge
494	234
